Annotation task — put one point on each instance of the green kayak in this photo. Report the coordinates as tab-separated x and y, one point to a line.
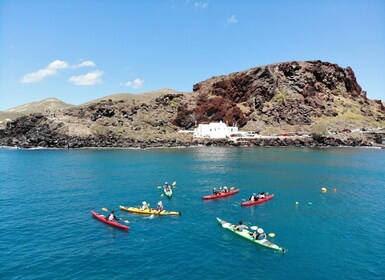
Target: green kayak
167	191
248	235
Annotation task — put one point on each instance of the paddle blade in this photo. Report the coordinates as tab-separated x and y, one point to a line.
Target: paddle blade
127	222
272	234
174	184
105	209
158	187
254	227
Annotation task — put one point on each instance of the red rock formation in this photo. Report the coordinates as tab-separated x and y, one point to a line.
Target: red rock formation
284	93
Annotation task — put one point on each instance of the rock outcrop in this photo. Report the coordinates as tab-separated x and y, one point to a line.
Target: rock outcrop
291	93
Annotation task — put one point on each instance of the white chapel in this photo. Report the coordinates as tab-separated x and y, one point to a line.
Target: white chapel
214	130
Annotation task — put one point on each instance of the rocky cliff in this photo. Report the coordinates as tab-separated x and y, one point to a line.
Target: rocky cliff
284	95
277	98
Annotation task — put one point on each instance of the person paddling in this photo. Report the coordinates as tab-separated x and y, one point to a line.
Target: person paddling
145	205
261	195
166	186
241	226
111	216
261	234
160	206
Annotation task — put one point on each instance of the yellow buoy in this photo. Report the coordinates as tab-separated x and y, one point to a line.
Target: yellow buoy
324	190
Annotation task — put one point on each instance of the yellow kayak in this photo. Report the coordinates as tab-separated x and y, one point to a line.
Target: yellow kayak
150	211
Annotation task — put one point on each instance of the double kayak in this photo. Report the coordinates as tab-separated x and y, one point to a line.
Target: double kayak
222	194
248	235
150	211
261	200
103	219
167	192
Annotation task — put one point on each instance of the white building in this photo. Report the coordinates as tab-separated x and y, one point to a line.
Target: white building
214	130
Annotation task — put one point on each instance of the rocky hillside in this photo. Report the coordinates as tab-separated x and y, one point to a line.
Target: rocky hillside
287	96
277	98
46	106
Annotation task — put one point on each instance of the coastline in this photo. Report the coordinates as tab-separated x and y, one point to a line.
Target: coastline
79	143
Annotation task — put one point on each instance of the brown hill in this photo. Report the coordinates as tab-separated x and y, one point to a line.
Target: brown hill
48	105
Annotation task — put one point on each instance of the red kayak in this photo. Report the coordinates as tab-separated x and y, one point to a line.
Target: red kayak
103	219
223	194
261	200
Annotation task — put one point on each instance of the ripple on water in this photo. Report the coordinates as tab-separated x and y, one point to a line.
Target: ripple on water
49	233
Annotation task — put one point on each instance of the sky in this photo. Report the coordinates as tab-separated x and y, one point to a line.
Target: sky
79	50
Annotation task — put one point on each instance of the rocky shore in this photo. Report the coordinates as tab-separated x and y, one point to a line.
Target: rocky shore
44	137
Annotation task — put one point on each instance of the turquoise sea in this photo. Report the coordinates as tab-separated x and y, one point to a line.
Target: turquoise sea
47	231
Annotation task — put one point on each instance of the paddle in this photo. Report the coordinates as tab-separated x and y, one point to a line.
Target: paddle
120	219
174	184
159	187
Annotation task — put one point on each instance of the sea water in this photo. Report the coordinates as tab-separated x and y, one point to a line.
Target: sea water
47	231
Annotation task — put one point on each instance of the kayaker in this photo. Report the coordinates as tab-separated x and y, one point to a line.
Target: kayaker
160	206
225	189
261	195
240	227
261	234
166	186
253	197
145	206
111	216
215	192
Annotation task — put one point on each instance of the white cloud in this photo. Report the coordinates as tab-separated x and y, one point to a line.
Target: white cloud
232	20
89	79
39	75
135	84
58	64
201	5
87	63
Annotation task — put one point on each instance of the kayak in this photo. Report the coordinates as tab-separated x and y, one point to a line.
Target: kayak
168	192
248	235
103	219
261	200
223	194
150	211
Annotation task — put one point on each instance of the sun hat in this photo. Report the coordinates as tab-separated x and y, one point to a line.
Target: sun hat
260	230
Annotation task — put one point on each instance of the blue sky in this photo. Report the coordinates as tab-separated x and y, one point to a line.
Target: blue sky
78	51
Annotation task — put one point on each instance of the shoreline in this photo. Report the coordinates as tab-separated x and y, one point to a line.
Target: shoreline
83	144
